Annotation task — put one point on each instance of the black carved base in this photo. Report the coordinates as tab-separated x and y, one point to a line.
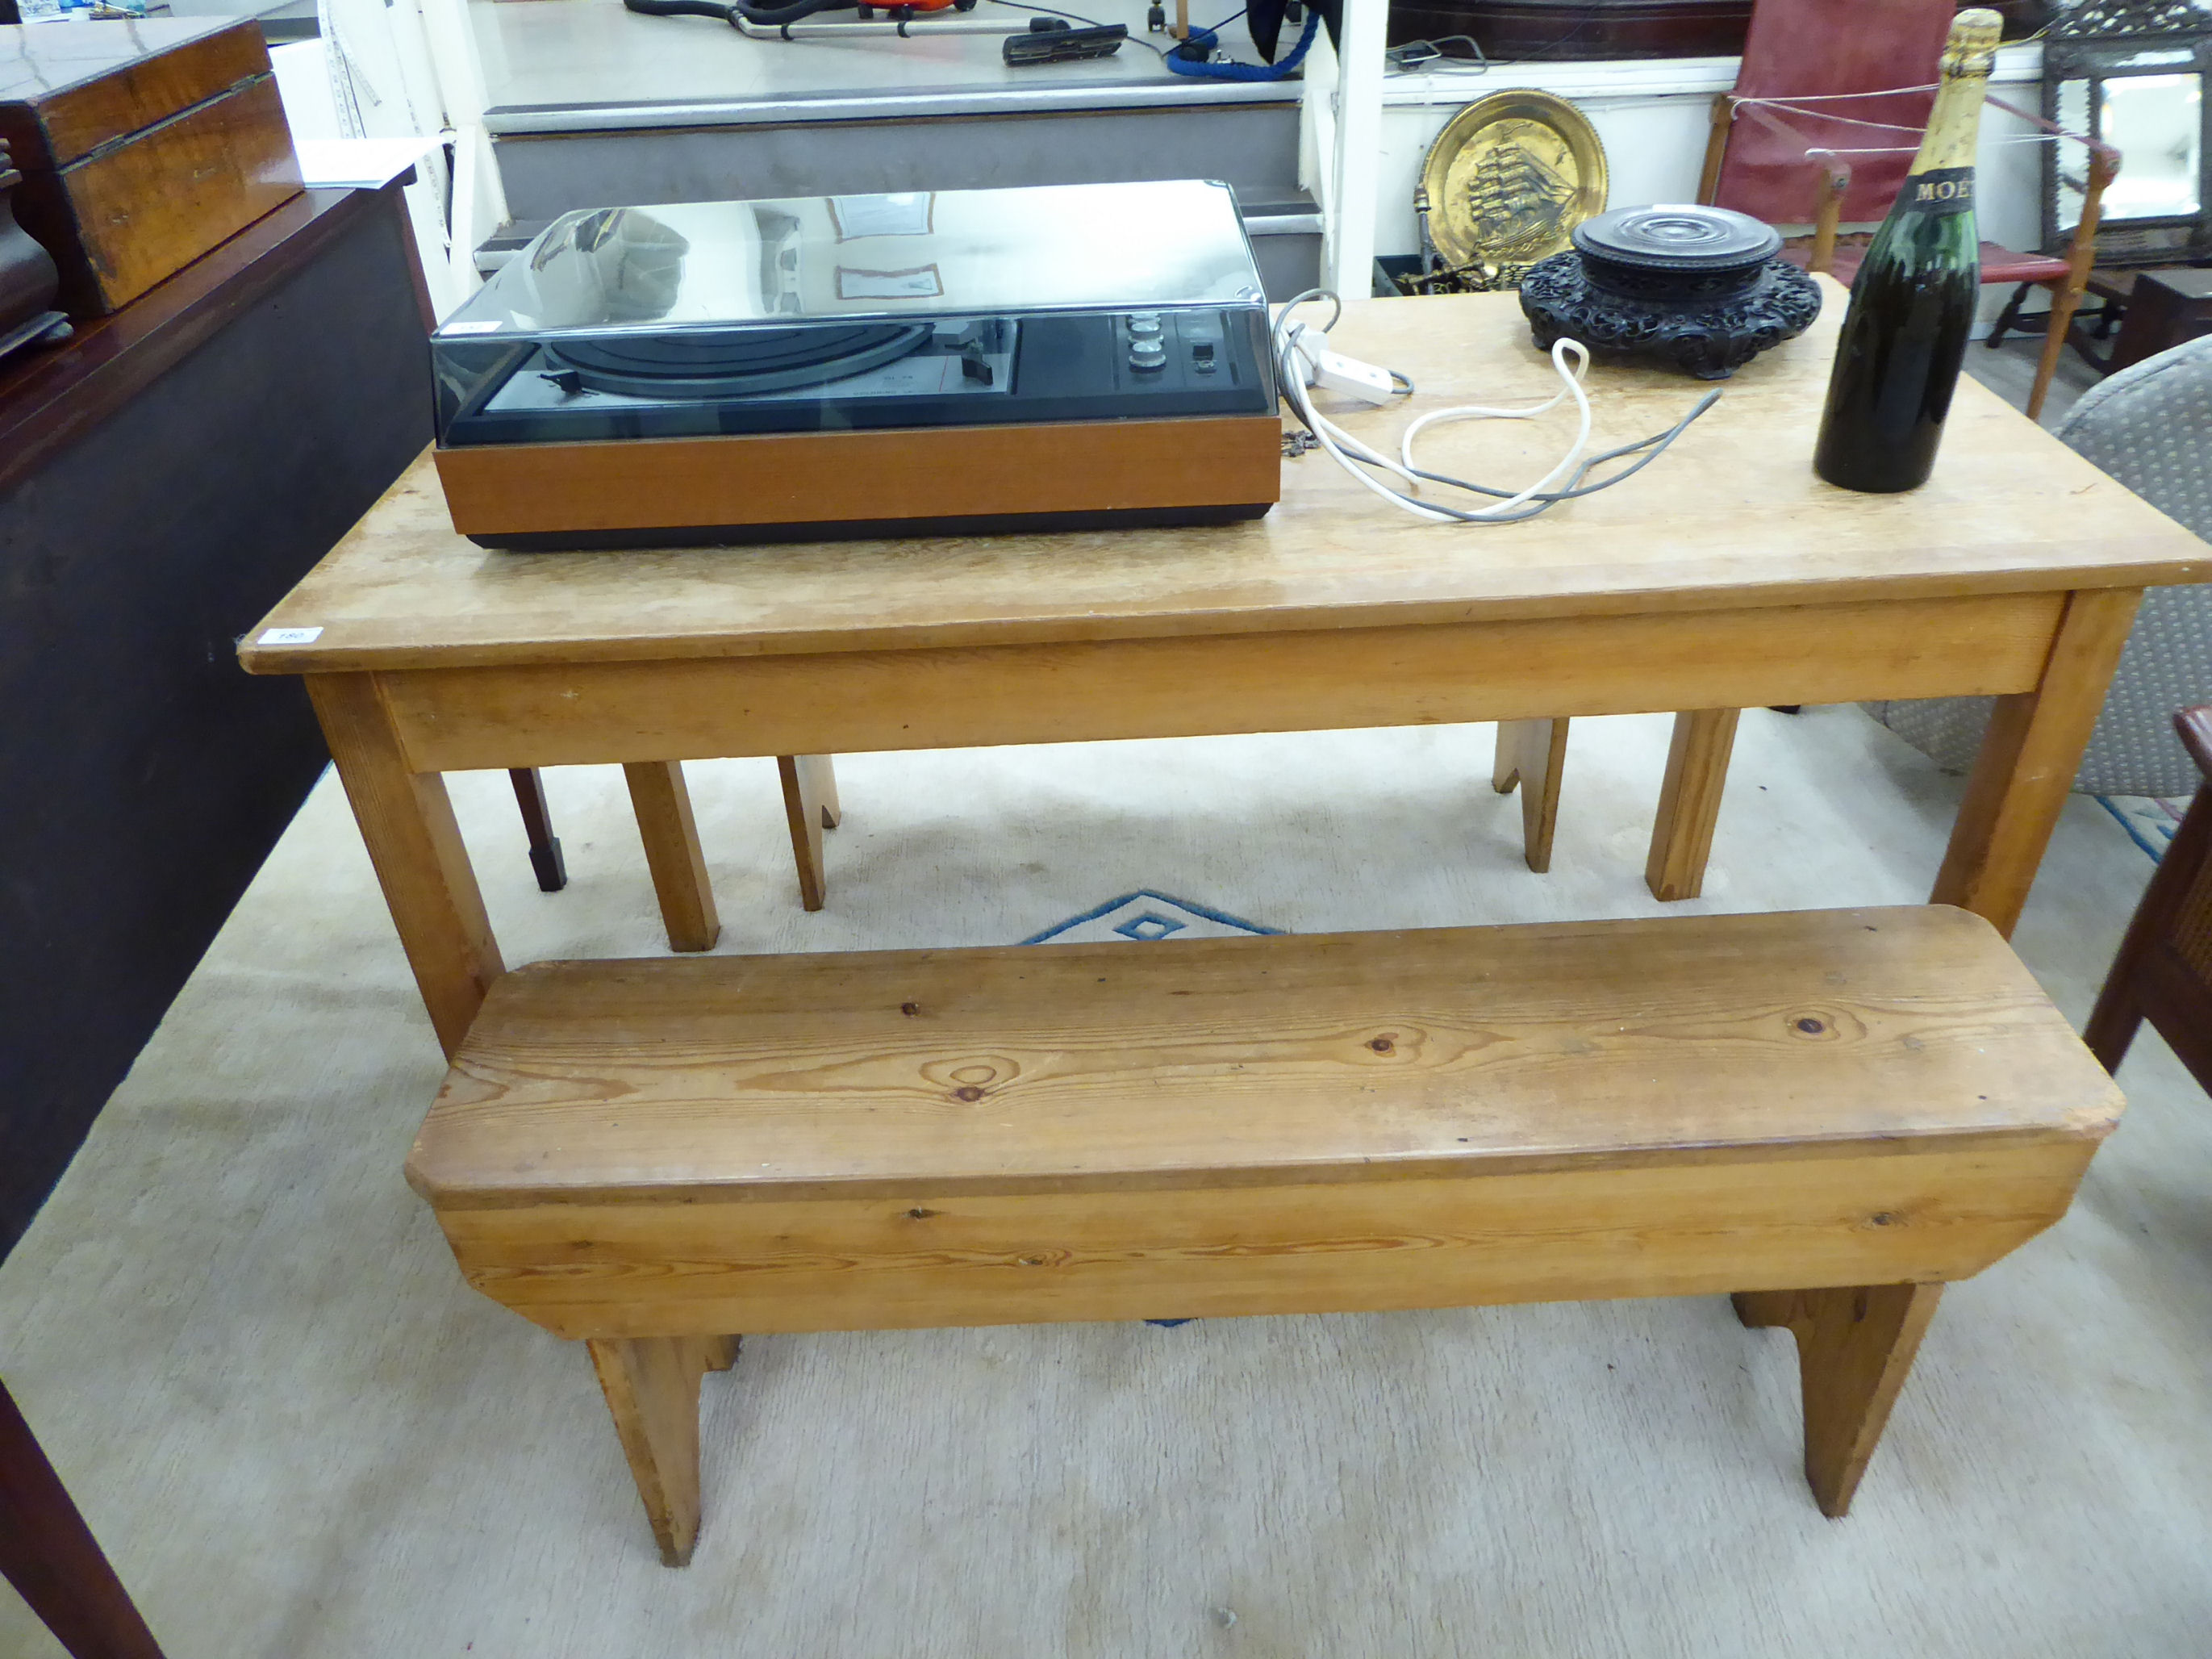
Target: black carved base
1708	338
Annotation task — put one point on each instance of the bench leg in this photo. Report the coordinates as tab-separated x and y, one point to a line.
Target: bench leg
1853	1348
652	1386
810	806
672	852
1690	802
1534	754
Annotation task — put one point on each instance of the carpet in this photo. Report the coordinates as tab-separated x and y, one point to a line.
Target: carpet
300	1437
2149	821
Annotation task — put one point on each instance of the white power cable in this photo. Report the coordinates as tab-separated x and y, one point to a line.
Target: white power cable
1295	354
1300	357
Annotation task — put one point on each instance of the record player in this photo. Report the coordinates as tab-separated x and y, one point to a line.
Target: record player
944	362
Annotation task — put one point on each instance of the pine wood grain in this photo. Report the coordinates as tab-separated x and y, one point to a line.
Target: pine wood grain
652	1389
1733	516
1352	1057
1825	1112
808	814
852	703
1690	802
1534	755
672	853
1691	1222
2029	760
406	819
1856	1344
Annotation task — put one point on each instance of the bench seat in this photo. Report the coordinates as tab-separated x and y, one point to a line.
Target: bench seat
1833	1112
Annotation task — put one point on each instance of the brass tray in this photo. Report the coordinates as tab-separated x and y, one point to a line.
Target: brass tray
1506	182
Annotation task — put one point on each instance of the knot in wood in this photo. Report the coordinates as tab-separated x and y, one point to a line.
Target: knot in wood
1382	1045
968	1091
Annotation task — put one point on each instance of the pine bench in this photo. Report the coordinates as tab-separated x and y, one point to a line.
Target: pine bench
1830	1113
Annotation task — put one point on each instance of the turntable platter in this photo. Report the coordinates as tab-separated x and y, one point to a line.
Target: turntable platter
733	363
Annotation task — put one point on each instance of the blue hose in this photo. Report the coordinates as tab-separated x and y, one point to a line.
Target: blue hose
1205	40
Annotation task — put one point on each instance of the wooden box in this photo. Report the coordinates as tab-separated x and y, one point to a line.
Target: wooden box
142	146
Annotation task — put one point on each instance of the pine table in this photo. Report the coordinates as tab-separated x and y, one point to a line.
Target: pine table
1723	577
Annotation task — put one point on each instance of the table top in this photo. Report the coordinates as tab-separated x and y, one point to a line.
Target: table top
1732	516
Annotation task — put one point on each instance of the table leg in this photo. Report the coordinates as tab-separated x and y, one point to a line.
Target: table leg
1690	802
672	852
1534	754
407	822
2029	756
810	806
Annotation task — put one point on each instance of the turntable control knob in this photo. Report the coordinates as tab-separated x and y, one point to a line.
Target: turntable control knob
1144	324
1148	354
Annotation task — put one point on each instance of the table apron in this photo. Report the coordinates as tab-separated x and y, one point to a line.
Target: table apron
851	702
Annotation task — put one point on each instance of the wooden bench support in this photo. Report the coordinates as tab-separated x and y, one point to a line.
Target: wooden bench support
652	1385
1533	754
646	1154
1854	1347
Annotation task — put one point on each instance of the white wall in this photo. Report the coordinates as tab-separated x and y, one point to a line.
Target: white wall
1653	118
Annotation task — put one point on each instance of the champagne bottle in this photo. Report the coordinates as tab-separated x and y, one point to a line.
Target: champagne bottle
1913	302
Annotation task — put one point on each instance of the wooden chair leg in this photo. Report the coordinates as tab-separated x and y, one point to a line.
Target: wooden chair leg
2008	319
2064	298
1534	754
50	1557
537	824
1855	1347
2119	1011
665	823
652	1386
810	806
1690	802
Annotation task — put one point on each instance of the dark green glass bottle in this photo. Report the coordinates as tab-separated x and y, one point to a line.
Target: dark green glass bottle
1913	302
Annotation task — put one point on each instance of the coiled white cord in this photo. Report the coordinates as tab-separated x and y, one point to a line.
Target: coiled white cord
1570	357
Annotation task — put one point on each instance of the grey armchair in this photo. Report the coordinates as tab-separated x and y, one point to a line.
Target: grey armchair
2150	427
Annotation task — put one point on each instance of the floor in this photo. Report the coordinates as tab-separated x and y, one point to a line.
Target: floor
2008	370
302	1438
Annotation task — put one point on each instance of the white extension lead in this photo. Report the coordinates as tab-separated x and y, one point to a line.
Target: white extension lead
1303	359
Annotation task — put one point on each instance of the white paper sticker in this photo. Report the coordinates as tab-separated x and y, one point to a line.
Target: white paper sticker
289	636
473	328
922	283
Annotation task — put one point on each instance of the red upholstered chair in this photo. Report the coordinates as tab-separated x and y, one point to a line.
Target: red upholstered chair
1833	139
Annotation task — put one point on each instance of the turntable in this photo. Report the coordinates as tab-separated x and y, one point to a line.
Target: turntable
952	362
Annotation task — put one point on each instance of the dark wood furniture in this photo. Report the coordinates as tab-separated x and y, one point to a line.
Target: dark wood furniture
142	146
2103	55
28	278
2162	309
50	1557
2164	970
165	477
